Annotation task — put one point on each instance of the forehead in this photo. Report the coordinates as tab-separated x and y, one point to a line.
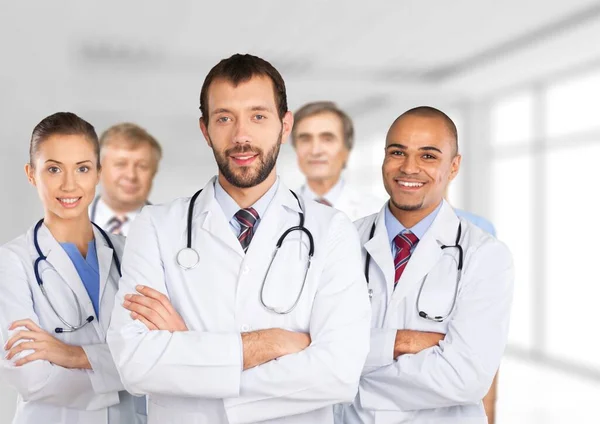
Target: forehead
257	91
418	131
320	123
65	148
120	148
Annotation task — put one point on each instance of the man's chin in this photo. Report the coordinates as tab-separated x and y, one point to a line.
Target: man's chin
131	202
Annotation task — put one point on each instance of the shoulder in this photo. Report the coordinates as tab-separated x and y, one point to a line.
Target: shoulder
479	221
162	211
364	225
16	250
483	247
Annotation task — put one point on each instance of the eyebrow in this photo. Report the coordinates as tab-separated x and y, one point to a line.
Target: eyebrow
253	108
60	163
424	148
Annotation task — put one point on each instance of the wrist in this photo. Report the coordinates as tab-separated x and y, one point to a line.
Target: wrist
79	358
402	345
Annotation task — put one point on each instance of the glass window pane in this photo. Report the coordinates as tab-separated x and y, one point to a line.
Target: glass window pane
572	106
512	217
512	119
571	253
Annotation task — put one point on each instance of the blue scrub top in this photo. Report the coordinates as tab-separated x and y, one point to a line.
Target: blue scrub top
88	271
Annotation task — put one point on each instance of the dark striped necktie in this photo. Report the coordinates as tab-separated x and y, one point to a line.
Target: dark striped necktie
247	219
115	225
404	243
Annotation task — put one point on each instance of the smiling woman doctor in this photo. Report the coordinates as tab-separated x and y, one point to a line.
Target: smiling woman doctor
441	288
57	287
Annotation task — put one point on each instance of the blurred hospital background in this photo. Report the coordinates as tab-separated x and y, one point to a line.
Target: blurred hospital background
520	78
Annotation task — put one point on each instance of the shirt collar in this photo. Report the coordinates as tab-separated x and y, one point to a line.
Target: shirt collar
104	213
394	227
331	196
230	207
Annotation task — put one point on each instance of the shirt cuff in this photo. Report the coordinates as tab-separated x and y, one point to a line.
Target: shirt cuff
382	347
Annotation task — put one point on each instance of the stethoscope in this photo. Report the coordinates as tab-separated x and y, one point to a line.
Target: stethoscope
95	206
41	257
423	314
189	258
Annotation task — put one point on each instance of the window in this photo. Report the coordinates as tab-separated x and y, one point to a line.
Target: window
512	119
572	106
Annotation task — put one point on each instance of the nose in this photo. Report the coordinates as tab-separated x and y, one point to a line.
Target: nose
241	134
68	182
315	148
410	165
131	172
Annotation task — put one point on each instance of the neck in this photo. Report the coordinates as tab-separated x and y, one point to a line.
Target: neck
246	197
76	230
322	186
411	218
119	208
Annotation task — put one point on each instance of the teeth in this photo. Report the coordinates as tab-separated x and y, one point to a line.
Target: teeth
69	201
407	184
244	157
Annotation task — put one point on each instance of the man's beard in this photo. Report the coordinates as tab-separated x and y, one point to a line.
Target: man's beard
407	208
247	177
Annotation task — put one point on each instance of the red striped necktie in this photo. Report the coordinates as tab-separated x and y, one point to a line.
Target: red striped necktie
404	243
247	219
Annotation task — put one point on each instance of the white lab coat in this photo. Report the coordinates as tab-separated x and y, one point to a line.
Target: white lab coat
445	383
350	201
196	376
48	393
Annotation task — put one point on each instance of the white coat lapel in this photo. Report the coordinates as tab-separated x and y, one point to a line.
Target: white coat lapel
63	265
105	264
379	249
275	222
428	252
209	216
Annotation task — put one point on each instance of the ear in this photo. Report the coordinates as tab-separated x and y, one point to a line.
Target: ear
455	166
204	129
30	173
288	124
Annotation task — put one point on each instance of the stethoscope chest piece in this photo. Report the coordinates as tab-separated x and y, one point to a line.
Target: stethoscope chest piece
188	258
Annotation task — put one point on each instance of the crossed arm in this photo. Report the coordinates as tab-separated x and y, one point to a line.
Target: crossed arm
155	310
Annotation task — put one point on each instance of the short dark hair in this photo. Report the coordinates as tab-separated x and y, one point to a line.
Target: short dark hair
241	68
62	123
317	108
431	112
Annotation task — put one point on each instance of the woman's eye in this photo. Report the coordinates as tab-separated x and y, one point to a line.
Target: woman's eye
53	169
84	169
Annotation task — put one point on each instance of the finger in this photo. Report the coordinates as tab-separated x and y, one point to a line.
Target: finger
38	355
150	303
148	324
24	335
147	313
155	294
27	323
21	347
